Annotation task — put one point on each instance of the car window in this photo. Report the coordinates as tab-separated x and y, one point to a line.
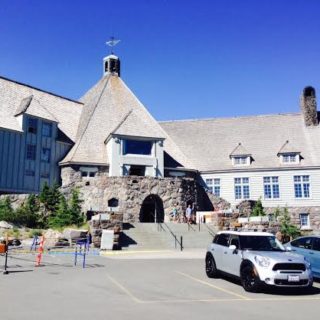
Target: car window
304	243
260	243
223	239
234	240
316	244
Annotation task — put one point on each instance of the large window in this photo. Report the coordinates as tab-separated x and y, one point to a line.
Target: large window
46	129
301	186
32	125
213	186
241	188
31	152
137	147
271	187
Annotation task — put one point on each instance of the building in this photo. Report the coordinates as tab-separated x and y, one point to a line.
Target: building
123	160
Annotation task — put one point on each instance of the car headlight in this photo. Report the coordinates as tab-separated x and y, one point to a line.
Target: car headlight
307	263
262	261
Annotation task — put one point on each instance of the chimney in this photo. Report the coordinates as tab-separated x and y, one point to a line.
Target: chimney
308	105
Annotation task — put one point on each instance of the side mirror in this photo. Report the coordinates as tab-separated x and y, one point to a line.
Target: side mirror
233	247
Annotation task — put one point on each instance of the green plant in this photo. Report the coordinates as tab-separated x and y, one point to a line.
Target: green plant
288	229
62	217
257	210
28	214
6	211
75	208
34	232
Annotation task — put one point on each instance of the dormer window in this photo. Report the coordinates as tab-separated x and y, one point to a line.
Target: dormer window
290	158
241	160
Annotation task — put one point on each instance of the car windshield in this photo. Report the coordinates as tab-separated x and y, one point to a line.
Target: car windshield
260	243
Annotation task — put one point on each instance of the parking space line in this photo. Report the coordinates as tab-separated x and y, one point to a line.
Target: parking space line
125	290
213	286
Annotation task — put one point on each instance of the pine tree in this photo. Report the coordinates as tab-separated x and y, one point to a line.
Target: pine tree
288	229
28	214
6	211
257	210
62	217
75	208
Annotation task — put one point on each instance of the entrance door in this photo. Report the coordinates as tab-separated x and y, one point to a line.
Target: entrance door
152	209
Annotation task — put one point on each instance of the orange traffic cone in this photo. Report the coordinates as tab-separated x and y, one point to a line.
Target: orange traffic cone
40	251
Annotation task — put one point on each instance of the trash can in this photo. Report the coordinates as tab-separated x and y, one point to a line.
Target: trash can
3	248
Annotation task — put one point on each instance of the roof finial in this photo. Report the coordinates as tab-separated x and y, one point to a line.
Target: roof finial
112	43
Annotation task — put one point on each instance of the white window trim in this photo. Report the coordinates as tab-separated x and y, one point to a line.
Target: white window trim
305	227
88	170
248	161
310	189
297	158
263	184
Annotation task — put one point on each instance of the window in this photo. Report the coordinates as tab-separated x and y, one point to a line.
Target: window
46	129
213	186
271	187
316	244
241	188
209	185
32	125
304	221
304	243
137	147
137	171
29	173
113	203
45	155
301	186
240	160
31	152
290	158
88	172
223	239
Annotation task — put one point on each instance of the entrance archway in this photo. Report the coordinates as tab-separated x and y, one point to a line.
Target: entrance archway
152	209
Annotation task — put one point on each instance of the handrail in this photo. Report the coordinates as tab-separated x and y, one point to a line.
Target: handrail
174	236
210	230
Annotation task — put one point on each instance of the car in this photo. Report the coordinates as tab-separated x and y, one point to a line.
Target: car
258	259
309	247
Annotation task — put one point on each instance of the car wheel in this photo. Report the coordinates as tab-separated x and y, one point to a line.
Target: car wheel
250	281
211	269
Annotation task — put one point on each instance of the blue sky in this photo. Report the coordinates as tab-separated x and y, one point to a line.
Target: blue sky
182	58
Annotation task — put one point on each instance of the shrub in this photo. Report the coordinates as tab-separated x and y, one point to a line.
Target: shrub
257	210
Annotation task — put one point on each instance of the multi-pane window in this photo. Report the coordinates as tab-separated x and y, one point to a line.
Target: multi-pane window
213	186
46	129
209	183
45	155
240	160
304	220
271	187
32	125
31	152
301	186
241	188
289	158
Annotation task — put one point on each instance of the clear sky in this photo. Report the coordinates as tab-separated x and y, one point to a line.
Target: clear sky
182	58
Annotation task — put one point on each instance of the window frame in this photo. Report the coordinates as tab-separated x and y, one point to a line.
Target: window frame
237	161
241	188
302	186
124	148
32	125
44	131
304	226
273	187
31	152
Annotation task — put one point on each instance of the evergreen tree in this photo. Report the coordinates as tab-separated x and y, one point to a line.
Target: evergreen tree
287	229
50	197
75	208
6	211
62	217
257	210
28	214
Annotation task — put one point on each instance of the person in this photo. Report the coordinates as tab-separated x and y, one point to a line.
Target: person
174	213
279	236
189	213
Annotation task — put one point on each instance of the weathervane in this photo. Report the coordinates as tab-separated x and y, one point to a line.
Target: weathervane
112	43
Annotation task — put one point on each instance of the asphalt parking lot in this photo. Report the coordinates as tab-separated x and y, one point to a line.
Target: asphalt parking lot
132	285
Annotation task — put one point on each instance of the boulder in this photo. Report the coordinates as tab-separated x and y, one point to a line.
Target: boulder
5	225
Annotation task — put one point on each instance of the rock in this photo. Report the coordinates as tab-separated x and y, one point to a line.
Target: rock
51	237
5	225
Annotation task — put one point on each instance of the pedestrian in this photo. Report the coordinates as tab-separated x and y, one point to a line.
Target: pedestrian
174	213
189	213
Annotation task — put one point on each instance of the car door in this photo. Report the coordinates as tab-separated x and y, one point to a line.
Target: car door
232	258
222	243
303	246
315	260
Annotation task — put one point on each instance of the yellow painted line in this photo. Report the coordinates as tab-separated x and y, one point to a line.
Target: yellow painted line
125	290
213	286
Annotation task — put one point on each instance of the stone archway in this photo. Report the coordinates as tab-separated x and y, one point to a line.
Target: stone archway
152	209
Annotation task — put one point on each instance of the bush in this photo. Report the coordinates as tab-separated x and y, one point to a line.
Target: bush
257	210
6	211
288	229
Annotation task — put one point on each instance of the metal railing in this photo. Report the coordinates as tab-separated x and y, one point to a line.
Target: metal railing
177	242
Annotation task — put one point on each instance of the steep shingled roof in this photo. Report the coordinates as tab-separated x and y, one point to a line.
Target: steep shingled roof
288	147
16	98
239	150
208	142
110	107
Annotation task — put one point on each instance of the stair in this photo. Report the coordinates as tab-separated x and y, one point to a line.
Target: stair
152	236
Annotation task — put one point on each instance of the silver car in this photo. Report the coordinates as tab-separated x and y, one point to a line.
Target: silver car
257	258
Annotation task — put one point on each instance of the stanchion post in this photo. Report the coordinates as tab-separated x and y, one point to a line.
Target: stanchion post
181	244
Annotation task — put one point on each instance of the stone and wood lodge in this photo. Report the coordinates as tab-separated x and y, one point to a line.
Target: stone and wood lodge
125	161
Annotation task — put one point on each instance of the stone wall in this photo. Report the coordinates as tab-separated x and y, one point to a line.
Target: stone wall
131	191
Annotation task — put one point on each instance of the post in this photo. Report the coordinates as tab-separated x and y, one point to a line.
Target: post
175	241
181	244
75	255
6	262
